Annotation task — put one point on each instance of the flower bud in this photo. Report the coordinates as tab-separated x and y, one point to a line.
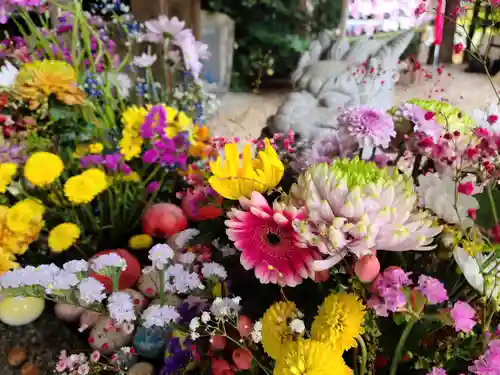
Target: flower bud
367	268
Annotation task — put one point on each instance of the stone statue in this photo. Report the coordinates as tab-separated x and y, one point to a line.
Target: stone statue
332	74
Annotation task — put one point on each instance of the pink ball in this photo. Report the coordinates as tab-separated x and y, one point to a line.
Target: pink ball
245	326
163	220
367	268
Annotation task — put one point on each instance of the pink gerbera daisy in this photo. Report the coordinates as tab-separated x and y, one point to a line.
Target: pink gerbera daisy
269	243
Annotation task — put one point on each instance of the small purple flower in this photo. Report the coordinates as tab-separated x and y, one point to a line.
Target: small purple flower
371	127
432	289
12	153
156	118
416	115
111	161
396	277
178	357
331	146
437	371
152	187
463	316
151	156
91	161
125	169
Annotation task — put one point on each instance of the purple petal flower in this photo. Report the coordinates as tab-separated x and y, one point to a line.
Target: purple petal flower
152	187
463	316
156	118
111	161
489	362
432	289
150	156
437	371
90	161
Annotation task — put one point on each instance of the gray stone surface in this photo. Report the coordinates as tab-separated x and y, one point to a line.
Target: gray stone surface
332	75
42	341
217	31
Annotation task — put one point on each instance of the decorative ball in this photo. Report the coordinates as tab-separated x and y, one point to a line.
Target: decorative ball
128	278
148	284
367	268
68	313
16	356
163	220
108	337
19	311
140	302
245	326
141	368
89	318
197	208
29	369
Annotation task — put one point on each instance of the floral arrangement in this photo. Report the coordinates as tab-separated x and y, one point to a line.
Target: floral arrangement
371	250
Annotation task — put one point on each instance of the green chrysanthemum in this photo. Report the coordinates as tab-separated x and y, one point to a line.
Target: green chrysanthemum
448	116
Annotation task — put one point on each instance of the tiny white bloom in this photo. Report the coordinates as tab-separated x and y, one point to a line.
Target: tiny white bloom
144	60
195	336
8	75
297	326
194	324
205	317
257	332
214	269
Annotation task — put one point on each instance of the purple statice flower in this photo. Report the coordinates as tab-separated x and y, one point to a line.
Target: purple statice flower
396	277
64	23
91	290
152	187
89	161
432	289
121	307
415	114
437	371
370	127
151	156
12	153
178	357
160	316
155	122
390	295
111	161
463	316
489	362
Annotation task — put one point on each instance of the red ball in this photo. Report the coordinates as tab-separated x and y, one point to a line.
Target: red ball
196	210
245	326
128	278
217	342
163	220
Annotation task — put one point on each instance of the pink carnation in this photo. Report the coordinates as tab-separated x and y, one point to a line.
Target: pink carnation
463	316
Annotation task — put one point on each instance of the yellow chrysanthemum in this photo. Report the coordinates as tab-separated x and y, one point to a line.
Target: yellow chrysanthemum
140	241
99	177
63	237
177	122
18	242
38	80
7	171
310	357
234	179
80	189
43	168
276	332
22	215
131	177
131	142
7	262
339	321
80	151
96	148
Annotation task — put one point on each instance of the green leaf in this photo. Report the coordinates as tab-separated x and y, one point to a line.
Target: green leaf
62	113
485	217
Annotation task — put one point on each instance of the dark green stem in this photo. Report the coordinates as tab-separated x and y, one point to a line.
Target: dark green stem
364	355
161	287
398	353
116	281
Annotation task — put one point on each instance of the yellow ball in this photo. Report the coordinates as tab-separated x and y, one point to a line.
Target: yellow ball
19	311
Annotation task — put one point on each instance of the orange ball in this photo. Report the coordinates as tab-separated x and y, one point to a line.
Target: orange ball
163	220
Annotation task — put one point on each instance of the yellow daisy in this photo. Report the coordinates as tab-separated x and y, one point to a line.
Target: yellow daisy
7	171
339	321
63	237
310	357
96	148
7	262
80	189
276	332
43	168
99	177
140	241
21	216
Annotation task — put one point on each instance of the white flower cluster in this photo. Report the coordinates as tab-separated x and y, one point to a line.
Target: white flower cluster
214	269
225	307
108	263
257	332
76	266
159	316
161	255
180	280
121	307
91	290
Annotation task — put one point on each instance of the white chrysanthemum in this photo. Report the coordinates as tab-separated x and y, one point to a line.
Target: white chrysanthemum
91	290
161	255
354	206
160	316
439	195
214	269
64	280
108	263
121	307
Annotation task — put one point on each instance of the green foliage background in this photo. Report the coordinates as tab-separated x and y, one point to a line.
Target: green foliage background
271	34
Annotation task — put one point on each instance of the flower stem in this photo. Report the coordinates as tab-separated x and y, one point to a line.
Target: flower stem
362	346
161	287
116	281
398	353
492	203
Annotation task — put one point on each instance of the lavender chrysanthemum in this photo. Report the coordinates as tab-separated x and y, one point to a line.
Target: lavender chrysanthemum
370	127
180	280
159	316
121	307
416	115
214	269
160	255
104	262
64	280
91	290
76	266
